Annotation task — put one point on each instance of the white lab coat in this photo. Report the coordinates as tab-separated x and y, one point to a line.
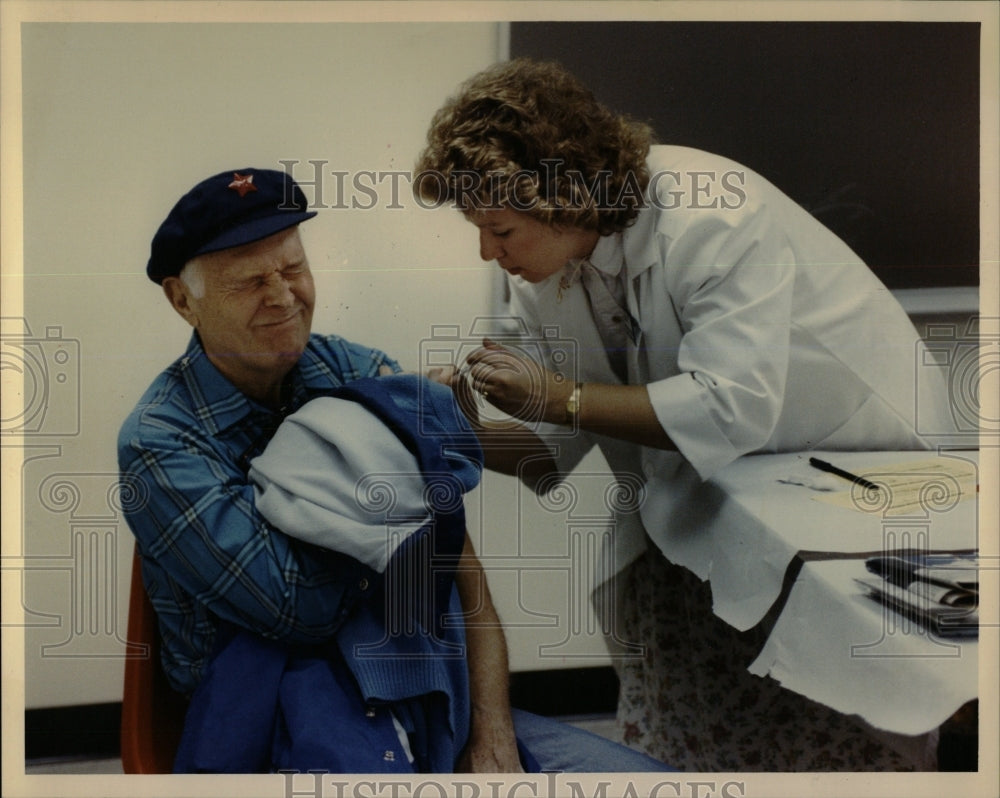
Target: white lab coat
760	331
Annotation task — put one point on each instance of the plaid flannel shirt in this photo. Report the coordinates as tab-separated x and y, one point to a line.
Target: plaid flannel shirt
207	554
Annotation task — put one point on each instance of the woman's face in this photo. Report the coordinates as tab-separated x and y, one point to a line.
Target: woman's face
526	247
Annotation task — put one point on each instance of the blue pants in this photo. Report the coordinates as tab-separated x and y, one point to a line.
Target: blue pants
260	708
559	747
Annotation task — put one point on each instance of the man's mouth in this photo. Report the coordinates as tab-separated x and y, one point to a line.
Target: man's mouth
283	321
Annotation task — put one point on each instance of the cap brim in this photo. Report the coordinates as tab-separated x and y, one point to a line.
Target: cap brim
253	231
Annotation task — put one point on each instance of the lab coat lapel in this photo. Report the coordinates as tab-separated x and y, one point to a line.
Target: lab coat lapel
640	249
638	374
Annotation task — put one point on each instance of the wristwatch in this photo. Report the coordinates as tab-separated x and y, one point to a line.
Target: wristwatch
573	404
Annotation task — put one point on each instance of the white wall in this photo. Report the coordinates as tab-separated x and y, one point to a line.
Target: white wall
118	121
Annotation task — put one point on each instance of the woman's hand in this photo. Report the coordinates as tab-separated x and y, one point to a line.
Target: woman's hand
518	385
525	390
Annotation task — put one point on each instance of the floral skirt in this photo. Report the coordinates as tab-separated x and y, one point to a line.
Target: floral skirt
690	702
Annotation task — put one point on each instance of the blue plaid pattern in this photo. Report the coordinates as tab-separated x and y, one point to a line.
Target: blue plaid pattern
208	555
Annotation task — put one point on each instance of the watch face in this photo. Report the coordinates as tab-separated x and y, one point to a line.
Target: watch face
573	403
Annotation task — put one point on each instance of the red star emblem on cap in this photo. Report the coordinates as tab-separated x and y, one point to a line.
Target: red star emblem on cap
242	184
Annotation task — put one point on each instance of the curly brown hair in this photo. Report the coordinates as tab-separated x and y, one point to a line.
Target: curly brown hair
528	135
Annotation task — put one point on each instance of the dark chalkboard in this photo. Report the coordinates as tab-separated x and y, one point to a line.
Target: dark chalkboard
873	127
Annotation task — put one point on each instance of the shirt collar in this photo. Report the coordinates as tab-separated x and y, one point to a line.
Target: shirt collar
608	256
216	401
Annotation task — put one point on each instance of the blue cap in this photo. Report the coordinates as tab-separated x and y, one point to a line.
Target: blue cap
227	210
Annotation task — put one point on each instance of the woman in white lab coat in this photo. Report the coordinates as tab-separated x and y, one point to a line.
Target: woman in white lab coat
708	317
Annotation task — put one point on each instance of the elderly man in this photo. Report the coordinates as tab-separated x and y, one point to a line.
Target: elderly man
292	654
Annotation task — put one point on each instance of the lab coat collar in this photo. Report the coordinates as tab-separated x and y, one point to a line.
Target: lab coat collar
640	243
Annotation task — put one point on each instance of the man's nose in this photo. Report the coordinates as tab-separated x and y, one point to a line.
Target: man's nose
278	291
489	246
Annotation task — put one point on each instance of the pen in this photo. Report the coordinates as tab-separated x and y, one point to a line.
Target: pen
822	465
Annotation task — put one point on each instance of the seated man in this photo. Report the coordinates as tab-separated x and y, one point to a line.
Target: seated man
294	654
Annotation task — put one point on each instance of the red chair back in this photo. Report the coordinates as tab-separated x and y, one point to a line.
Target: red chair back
152	713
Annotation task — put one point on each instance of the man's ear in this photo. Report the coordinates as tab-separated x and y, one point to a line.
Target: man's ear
180	298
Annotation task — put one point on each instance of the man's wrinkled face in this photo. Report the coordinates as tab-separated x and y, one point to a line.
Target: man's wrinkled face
253	310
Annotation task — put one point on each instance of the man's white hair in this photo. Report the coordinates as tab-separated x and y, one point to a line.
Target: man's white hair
194	278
